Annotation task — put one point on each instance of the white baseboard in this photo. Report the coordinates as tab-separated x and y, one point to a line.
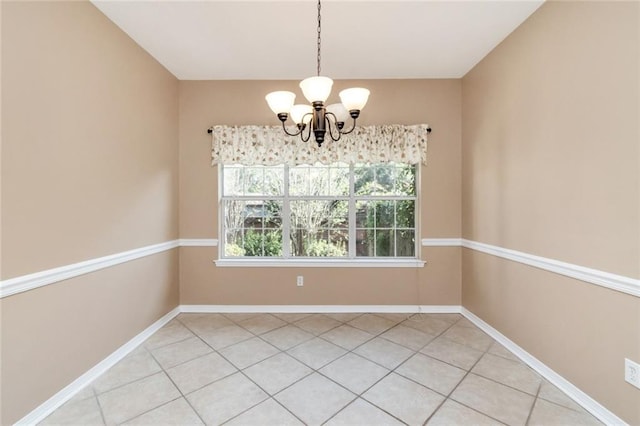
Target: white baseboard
77	385
581	398
427	309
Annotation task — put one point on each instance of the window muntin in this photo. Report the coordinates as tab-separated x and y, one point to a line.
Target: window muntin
338	211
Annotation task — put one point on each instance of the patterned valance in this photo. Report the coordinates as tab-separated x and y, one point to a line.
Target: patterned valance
268	145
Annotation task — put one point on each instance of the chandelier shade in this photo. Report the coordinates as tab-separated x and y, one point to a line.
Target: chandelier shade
301	113
354	98
318	118
316	89
281	102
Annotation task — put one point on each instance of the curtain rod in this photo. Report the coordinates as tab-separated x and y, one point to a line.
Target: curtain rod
210	130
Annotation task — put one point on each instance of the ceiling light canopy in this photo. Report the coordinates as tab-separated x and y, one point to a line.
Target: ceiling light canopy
317	117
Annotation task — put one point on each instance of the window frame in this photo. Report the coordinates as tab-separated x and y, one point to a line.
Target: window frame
351	260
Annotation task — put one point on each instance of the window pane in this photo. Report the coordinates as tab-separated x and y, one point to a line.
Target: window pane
405	214
319	180
384	214
262	243
339	214
405	242
299	180
273	181
364	179
233	244
233	178
385	179
365	214
339	181
365	242
384	242
406	180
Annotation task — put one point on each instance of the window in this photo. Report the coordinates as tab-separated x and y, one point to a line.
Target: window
338	211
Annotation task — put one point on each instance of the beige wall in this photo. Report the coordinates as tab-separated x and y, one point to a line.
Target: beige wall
205	103
89	168
551	168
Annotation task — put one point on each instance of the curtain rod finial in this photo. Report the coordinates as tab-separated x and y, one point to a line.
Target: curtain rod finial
210	130
428	130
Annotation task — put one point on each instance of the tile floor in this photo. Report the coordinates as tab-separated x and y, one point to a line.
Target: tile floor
333	369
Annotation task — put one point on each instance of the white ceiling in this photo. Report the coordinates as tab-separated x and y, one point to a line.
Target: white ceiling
217	40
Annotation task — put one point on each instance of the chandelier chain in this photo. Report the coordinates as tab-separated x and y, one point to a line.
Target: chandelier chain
319	31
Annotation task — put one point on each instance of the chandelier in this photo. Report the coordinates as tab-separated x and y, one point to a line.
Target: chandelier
317	117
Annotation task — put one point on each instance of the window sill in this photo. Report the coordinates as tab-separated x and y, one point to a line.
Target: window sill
320	263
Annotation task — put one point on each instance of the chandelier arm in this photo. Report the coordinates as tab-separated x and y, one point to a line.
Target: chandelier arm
293	134
330	127
351	129
302	135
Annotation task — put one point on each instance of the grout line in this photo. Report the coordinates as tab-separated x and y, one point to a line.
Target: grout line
176	386
95	395
535	399
467	372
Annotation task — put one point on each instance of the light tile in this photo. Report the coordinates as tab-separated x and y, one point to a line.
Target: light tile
276	373
170	333
76	412
86	392
404	399
249	352
548	414
453	353
317	324
493	399
354	372
314	399
199	323
431	373
508	372
555	395
291	317
317	352
240	316
372	323
177	353
499	350
130	368
452	413
199	372
176	412
468	336
226	398
463	322
343	316
362	413
427	324
262	323
267	413
384	352
347	336
225	336
128	401
395	317
407	336
450	318
286	337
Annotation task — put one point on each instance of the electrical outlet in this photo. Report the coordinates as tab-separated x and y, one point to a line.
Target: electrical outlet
632	372
300	281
